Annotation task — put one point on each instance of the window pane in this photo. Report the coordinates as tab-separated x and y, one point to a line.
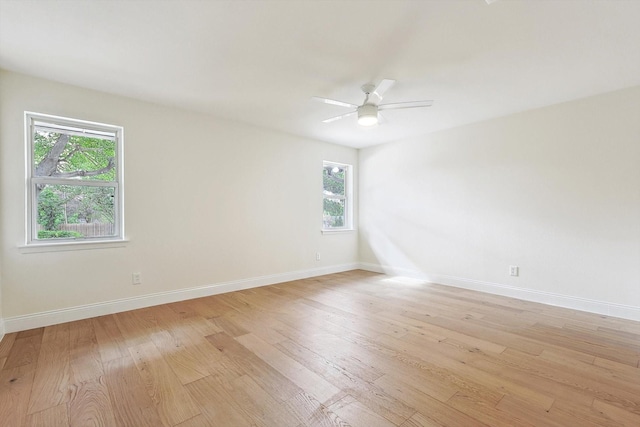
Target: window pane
333	213
70	155
74	211
333	178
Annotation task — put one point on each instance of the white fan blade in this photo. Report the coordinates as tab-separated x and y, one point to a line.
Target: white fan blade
382	87
410	104
341	116
334	102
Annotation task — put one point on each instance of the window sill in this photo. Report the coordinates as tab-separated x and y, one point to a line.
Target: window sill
337	231
71	246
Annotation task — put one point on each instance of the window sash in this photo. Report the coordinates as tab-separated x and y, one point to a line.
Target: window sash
346	198
35	206
334	196
35	122
72	181
67	130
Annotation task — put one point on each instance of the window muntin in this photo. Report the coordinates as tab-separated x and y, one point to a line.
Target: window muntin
337	206
74	180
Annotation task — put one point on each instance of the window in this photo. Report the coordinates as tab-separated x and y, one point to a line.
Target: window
74	190
337	203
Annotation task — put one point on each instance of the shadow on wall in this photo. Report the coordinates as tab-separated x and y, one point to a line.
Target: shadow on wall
393	260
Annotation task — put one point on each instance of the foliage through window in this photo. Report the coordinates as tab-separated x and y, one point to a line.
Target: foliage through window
336	178
75	180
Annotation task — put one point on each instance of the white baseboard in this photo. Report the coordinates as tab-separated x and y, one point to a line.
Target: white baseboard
549	298
37	320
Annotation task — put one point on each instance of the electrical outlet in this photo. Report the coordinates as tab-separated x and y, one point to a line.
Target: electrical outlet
317	256
136	278
514	270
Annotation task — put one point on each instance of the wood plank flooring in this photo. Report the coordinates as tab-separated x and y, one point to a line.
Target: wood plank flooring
351	349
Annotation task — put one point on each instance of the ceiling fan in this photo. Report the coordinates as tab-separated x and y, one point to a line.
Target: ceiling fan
369	112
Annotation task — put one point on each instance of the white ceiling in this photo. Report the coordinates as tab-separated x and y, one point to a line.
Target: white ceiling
260	62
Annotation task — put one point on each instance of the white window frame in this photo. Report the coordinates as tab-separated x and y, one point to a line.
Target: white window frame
81	126
348	197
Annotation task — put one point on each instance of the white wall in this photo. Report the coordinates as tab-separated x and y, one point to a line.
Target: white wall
207	202
1	318
555	191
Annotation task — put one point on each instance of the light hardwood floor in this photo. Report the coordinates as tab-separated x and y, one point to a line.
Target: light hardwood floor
351	349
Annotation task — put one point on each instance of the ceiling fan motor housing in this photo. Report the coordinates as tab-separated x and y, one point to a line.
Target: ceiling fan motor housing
368	115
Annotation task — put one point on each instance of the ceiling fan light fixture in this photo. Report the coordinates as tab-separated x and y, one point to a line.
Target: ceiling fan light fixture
368	111
368	115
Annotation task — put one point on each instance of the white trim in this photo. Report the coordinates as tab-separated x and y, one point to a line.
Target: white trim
36	320
31	204
2	331
67	245
576	303
348	196
337	230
